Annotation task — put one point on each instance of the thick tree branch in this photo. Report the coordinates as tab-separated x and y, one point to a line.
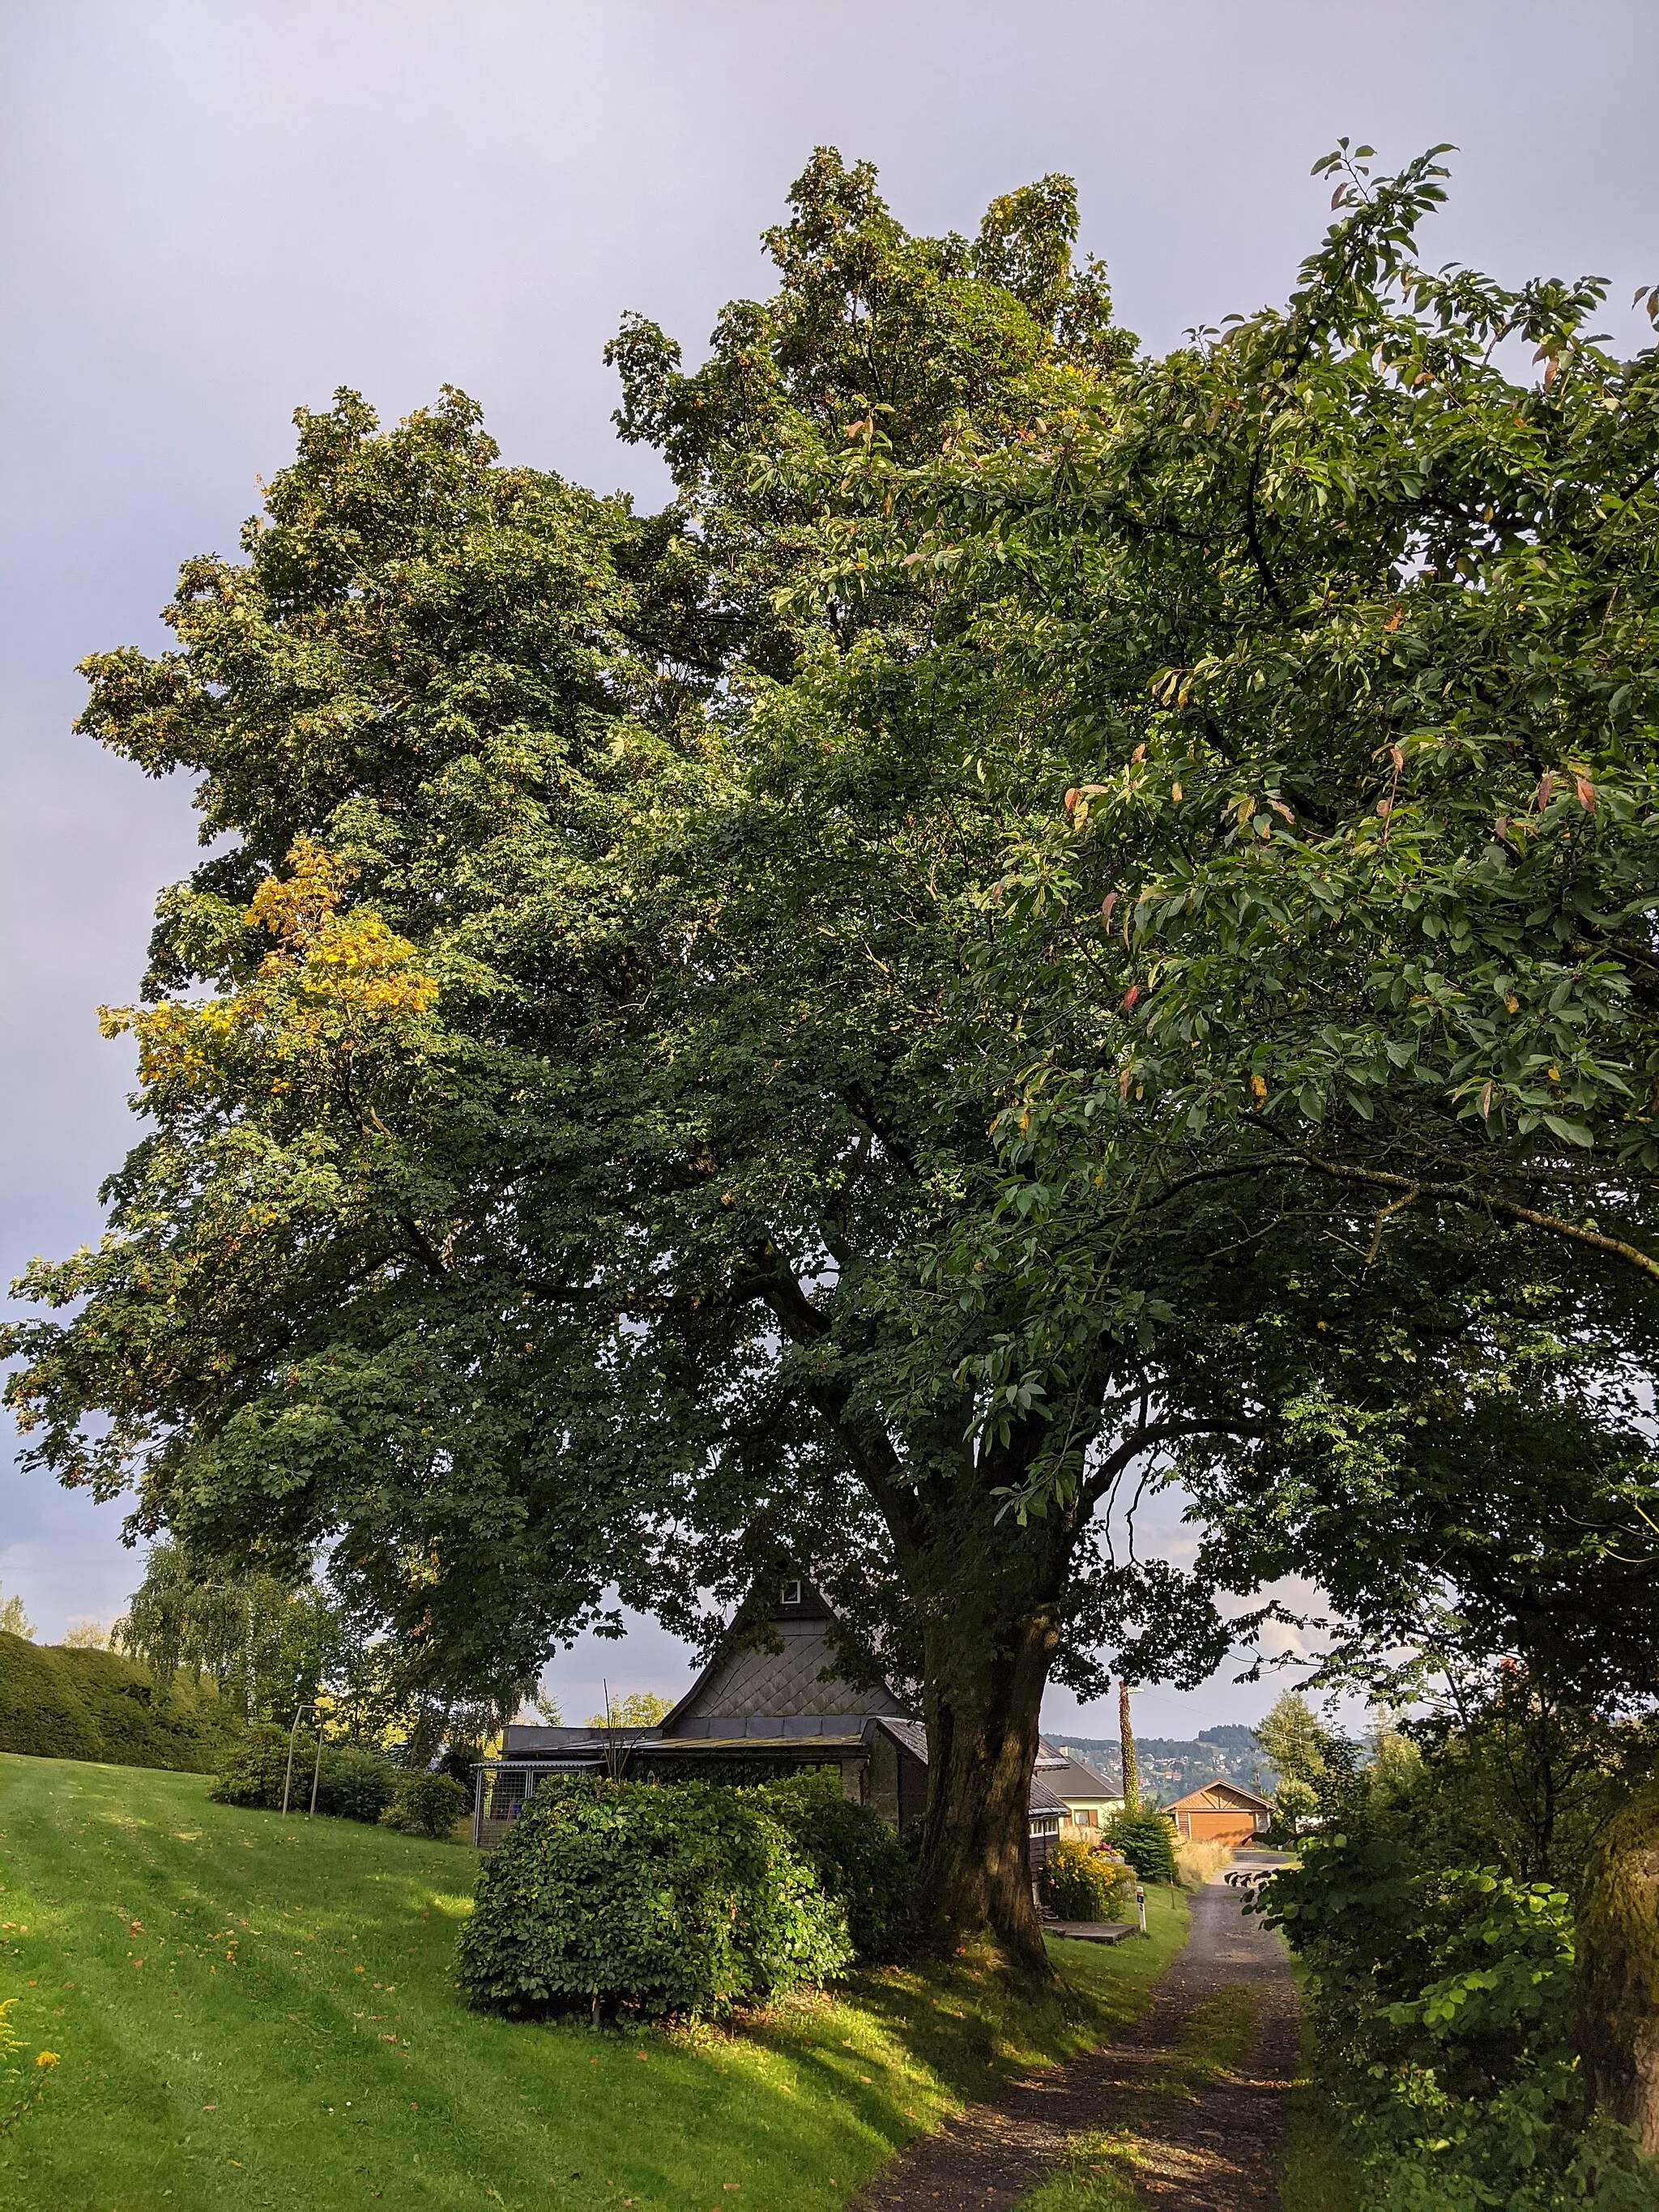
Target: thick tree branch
1459	1193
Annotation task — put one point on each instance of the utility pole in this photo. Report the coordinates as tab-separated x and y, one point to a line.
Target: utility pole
1127	1738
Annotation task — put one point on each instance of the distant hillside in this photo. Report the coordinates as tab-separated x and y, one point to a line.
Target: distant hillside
1171	1767
55	1703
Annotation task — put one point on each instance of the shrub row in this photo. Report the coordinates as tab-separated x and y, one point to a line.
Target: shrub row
1441	2001
352	1783
685	1899
58	1702
1441	2005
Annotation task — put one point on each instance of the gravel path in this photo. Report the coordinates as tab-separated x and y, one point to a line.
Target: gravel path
1216	2151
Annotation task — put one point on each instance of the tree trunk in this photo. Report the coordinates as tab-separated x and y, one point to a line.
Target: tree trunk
975	1871
1617	1928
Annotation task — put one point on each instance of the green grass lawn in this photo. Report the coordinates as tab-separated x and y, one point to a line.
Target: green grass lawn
254	2012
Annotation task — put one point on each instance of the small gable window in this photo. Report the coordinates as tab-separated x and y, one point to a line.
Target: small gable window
792	1593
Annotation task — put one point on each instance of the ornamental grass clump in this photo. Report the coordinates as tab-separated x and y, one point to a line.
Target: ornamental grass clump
688	1900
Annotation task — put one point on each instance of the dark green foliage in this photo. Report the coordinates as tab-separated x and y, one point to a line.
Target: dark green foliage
684	1901
1081	1884
426	1805
1442	1991
1168	846
616	1265
1350	908
459	1761
356	1784
857	1859
352	1783
1443	2007
57	1703
1147	1841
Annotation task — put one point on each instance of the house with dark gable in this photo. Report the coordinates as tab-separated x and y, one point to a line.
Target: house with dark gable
760	1710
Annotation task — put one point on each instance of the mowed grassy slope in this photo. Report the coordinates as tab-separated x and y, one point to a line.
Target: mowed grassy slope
255	2012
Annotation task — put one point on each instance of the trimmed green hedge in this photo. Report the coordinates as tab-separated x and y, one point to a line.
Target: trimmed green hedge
55	1703
686	1901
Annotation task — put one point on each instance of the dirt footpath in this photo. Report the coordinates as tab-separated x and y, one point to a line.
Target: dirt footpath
1216	2151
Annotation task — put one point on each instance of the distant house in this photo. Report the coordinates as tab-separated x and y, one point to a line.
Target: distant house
755	1714
1220	1813
1091	1801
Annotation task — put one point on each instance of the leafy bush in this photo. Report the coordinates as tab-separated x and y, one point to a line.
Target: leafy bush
1441	2004
857	1858
55	1703
1079	1883
688	1900
352	1784
1147	1841
426	1805
1448	1998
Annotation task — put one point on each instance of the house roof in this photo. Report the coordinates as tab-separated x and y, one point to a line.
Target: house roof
1072	1779
910	1734
747	1688
1044	1799
759	1736
1220	1796
522	1741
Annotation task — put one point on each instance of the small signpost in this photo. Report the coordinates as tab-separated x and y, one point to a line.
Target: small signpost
1141	1901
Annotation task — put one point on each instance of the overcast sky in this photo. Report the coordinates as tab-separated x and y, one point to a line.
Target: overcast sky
216	210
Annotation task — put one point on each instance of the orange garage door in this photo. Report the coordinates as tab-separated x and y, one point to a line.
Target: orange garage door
1219	1827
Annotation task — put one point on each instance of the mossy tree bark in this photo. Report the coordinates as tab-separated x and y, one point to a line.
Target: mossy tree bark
1619	1970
